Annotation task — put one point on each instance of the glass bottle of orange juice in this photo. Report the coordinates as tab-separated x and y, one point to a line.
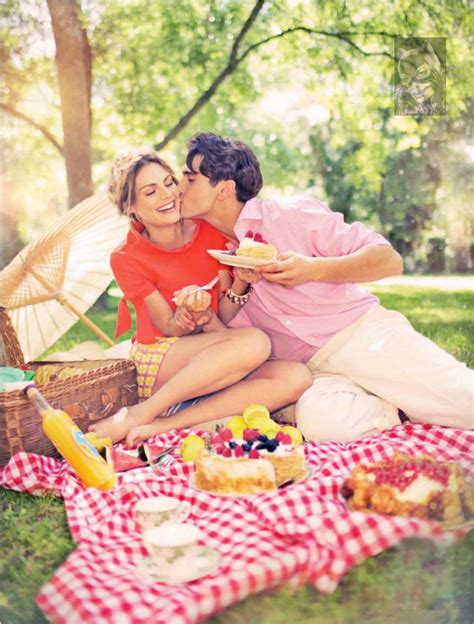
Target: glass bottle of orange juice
69	440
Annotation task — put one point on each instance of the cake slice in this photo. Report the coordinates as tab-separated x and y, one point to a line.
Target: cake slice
254	246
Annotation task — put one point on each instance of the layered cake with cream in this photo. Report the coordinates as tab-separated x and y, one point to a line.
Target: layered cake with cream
255	246
251	465
412	486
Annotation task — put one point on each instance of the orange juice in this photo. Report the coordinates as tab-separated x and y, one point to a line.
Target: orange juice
69	440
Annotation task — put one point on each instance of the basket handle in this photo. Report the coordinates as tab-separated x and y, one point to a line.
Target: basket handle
108	403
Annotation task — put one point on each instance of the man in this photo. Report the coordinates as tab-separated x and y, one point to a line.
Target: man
367	362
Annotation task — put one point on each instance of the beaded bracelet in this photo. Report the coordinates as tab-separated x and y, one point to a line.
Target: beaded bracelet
239	299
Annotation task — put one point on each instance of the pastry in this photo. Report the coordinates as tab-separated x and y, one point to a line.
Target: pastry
254	246
417	486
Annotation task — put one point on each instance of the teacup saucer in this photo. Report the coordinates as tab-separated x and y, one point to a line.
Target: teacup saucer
189	567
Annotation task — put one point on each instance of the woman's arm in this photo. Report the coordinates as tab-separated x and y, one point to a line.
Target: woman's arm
239	284
178	323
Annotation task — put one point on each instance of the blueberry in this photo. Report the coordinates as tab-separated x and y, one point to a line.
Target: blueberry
271	446
232	444
246	447
262	437
261	446
249	443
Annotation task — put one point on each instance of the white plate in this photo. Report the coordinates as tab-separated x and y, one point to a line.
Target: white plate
225	257
204	561
309	473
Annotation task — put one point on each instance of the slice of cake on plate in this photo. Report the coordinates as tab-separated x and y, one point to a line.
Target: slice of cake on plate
255	246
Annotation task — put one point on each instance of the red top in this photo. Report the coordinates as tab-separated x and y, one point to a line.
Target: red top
140	268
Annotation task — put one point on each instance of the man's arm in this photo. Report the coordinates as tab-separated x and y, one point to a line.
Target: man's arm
370	263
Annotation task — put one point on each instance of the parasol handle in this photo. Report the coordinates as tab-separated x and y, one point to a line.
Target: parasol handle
62	299
65	302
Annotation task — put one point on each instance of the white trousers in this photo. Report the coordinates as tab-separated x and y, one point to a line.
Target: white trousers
375	366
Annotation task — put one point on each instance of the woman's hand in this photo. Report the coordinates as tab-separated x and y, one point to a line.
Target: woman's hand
183	318
250	276
193	299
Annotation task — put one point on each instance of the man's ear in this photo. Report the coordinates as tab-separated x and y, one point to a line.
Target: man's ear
227	189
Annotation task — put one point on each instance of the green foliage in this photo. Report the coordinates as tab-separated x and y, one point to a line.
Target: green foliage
313	96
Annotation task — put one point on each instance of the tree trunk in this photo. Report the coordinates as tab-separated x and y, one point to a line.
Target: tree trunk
73	62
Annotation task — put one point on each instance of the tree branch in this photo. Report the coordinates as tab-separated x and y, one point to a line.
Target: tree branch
44	131
231	66
342	36
235	60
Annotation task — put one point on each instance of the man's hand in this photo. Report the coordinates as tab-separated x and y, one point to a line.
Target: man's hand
291	269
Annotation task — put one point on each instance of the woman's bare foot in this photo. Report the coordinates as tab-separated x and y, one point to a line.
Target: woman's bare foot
140	433
117	426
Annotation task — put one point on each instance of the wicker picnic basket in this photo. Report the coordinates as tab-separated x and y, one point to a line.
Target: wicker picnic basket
101	388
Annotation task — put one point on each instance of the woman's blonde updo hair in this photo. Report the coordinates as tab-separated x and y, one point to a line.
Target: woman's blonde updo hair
121	186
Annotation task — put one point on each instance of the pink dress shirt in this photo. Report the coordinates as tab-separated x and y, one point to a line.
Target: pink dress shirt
300	320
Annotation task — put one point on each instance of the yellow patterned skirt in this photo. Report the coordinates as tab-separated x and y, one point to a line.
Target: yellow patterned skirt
148	359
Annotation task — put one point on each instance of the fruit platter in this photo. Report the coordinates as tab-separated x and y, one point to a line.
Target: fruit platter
252	454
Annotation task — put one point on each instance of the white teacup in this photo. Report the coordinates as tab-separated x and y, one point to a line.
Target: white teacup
171	541
153	512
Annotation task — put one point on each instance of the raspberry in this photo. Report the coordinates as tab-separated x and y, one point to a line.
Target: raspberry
250	434
215	439
220	448
280	435
225	435
258	237
254	454
227	452
286	438
239	451
249	234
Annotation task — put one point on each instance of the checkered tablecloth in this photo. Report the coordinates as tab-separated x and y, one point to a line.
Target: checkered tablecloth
303	533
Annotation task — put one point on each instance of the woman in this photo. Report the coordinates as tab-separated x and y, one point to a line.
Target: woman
183	351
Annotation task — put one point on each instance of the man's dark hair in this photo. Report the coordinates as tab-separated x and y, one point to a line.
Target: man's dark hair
226	159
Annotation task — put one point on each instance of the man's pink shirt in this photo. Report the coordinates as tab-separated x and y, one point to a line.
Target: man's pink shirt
300	320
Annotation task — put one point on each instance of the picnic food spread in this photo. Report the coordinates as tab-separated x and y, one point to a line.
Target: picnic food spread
417	486
253	454
255	246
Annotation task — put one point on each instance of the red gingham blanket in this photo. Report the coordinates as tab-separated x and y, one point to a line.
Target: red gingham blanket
303	533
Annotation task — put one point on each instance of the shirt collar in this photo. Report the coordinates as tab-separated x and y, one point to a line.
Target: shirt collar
251	212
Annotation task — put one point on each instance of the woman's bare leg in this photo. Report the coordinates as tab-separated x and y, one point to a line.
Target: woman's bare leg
194	365
274	384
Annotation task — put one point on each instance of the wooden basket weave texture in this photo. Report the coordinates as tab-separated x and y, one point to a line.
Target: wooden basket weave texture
103	387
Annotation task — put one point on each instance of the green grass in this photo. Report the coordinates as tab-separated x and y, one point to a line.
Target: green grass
415	583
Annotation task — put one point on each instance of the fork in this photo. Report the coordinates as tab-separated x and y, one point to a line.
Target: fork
207	286
165	461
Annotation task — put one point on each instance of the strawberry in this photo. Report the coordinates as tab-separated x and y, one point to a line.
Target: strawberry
250	434
225	435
